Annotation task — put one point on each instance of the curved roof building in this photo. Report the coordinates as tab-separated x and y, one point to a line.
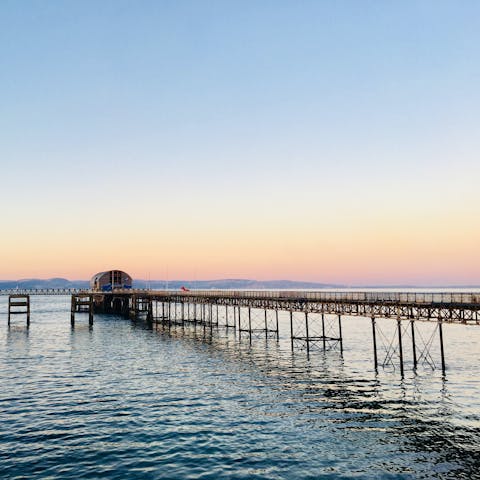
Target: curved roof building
110	280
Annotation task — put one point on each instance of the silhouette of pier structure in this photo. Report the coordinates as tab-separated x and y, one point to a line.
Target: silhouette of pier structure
315	317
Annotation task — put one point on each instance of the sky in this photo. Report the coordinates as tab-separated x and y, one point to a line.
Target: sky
329	141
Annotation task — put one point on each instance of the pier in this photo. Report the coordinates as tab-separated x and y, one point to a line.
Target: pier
315	318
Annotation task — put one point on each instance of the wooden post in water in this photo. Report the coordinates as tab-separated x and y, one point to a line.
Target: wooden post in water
19	305
90	310
150	310
82	304
72	311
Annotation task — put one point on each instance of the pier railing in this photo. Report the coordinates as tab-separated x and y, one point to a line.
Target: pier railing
338	296
419	298
42	291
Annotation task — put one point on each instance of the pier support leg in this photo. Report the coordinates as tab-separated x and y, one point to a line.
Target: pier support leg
442	351
414	347
72	313
226	317
250	323
340	336
239	323
276	324
19	304
82	303
323	332
90	310
291	329
307	336
28	311
150	311
266	326
400	346
374	336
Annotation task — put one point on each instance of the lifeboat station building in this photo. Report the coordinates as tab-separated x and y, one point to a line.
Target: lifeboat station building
110	280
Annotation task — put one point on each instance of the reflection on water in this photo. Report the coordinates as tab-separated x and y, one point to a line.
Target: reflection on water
122	400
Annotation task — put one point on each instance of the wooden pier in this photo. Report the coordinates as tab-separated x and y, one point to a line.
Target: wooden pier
19	304
82	303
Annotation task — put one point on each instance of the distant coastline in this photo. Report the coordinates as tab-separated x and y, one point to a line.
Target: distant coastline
240	284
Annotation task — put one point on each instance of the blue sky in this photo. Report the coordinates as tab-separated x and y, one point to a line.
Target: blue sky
240	115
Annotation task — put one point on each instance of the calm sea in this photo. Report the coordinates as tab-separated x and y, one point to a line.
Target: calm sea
124	401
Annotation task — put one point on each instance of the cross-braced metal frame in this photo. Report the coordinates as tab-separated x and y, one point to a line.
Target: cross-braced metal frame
389	345
312	330
258	322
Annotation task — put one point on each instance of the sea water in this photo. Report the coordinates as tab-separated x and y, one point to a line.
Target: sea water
125	400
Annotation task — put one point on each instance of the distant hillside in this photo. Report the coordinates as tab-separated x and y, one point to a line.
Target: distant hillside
243	284
30	283
231	283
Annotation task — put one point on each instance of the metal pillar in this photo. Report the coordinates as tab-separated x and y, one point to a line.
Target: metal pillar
400	346
306	333
291	328
340	336
239	324
276	321
323	331
266	326
250	323
414	347
374	335
442	352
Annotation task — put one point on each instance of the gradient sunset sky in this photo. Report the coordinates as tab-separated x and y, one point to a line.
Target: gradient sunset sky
332	141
